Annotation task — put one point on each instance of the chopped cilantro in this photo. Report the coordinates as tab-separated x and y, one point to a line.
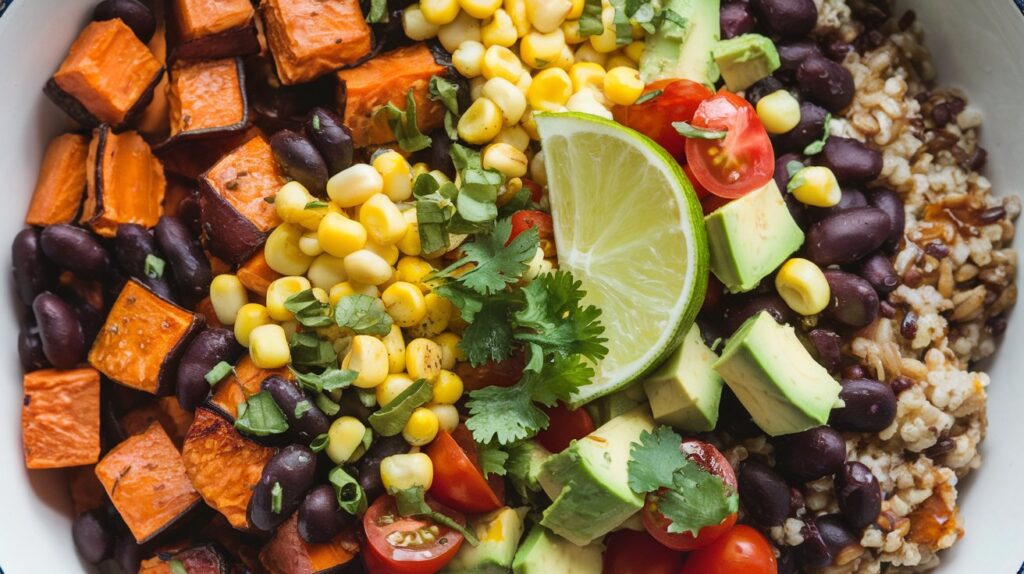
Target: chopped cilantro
554	320
648	96
153	267
412	502
319	443
363	314
391	419
403	125
332	379
351	497
259	415
495	264
301	408
815	147
693	132
276	494
492	459
218	373
325	404
315	204
445	91
793	167
377	13
489	337
176	566
308	310
309	350
590	21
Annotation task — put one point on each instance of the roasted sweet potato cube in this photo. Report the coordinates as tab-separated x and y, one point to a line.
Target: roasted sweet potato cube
223	466
60	418
145	478
125	182
365	89
199	560
143	338
108	76
243	382
235	216
257	275
287	553
166	411
210	29
207	99
309	38
60	186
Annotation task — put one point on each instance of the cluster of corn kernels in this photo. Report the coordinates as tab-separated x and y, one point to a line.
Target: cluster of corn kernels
523	56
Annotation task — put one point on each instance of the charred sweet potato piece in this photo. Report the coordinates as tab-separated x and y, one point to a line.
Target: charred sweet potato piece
60	418
87	491
166	411
145	479
125	182
235	217
309	38
211	29
243	382
287	553
199	560
108	76
257	275
61	182
141	341
223	466
363	90
207	99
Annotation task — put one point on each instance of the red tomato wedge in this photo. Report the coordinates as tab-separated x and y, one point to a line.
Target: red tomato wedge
564	426
458	480
742	550
677	102
632	552
740	162
390	551
527	218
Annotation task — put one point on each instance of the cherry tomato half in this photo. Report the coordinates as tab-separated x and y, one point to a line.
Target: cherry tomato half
677	102
527	218
564	426
742	550
740	162
389	551
536	192
458	480
632	552
708	458
697	187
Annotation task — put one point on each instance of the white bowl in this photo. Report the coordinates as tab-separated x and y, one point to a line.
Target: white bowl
978	45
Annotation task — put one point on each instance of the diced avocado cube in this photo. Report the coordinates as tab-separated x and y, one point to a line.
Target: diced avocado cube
782	387
745	59
750	237
545	553
499	533
524	465
588	481
681	47
608	407
684	393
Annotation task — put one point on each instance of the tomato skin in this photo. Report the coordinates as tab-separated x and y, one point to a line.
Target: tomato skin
497	374
564	426
708	458
632	552
527	218
697	187
678	101
742	550
739	163
384	558
458	481
536	192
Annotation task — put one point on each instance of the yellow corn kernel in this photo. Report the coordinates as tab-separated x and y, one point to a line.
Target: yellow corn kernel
421	428
634	51
405	471
499	31
464	28
500	62
227	295
481	122
423	359
476	87
439	12
779	111
438	316
447	388
326	271
383	221
282	250
538	173
803	286
290	204
344	437
397	174
535	266
404	302
587	53
447	416
507	97
565	60
514	136
346	288
480	9
586	101
339	235
541	50
366	267
516	10
355	185
450	352
607	41
550	90
419	168
413	270
587	75
394	342
547	15
409	244
368	357
619	60
468	58
279	291
416	26
529	125
623	85
388	253
268	347
571	30
524	82
250	316
392	386
815	186
504	158
310	244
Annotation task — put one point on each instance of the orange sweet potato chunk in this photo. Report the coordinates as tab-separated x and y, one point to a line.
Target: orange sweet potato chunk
256	275
288	553
309	38
207	98
145	478
365	89
61	182
223	466
125	182
199	560
201	18
60	418
166	411
142	339
243	382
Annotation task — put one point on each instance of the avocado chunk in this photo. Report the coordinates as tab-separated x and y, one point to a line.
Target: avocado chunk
588	481
782	387
544	553
681	47
750	237
746	59
685	391
524	463
499	533
610	406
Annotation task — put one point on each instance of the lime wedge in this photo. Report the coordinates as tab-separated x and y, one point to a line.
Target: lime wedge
629	226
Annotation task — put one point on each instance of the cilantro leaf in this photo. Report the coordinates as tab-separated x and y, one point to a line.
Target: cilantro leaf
218	373
319	443
377	13
505	413
309	350
559	379
276	495
176	566
556	322
445	91
403	125
648	96
308	310
391	419
489	337
259	415
363	314
687	130
623	29
351	496
492	459
815	147
435	206
332	379
412	502
654	460
153	267
590	21
495	264
696	500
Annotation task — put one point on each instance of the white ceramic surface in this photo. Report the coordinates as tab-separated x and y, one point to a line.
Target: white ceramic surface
978	44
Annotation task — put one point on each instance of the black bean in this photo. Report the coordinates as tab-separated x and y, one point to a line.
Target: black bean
189	266
441	153
854	301
842	544
828	346
813	552
858	494
332	139
797	210
59	330
852	161
787	562
825	82
736	19
943	446
74	249
320	519
782	170
305	420
33	273
135	14
811	454
291	471
847	236
761	88
787	18
189	211
202	354
869	406
890	202
808	130
133	244
91	320
793	54
879	272
734	419
30	349
91	536
900	384
764	494
368	467
837	50
854	372
849	198
127	554
742	307
300	159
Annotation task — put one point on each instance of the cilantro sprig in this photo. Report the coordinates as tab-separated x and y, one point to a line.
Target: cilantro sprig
412	502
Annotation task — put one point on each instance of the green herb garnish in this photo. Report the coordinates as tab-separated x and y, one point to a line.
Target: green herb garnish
153	267
259	415
218	373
